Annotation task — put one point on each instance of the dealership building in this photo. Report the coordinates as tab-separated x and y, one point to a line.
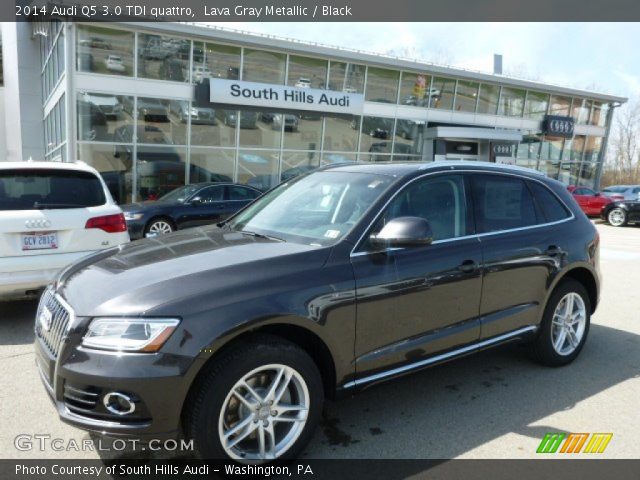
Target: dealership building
156	105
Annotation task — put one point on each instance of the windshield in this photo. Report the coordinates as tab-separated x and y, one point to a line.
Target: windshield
318	209
37	189
179	194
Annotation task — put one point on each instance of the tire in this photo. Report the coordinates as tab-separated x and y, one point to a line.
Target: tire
213	409
617	217
159	226
544	348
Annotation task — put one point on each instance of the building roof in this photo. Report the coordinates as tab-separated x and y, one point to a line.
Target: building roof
263	41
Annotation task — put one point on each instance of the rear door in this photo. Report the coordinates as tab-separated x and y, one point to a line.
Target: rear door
521	252
45	211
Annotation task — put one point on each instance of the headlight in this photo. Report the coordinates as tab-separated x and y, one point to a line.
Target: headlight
129	334
132	216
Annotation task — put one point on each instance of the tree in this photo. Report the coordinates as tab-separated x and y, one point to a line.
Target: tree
623	160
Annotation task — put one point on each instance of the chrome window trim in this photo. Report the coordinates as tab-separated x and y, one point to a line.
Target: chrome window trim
358	244
441	357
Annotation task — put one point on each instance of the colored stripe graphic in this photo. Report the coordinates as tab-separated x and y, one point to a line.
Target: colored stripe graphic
550	443
574	443
598	442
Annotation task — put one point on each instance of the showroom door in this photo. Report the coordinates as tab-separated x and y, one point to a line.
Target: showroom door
414	302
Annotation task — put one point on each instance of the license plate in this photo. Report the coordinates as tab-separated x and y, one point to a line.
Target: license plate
39	241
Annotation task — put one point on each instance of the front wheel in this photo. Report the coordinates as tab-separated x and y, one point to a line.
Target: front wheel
617	217
565	325
159	226
260	401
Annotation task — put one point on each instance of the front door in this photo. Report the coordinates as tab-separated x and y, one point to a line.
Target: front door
205	207
415	302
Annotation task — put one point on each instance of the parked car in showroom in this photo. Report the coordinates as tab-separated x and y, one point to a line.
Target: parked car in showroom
114	63
235	333
290	122
51	214
189	206
149	109
248	119
622	192
590	201
199	115
621	213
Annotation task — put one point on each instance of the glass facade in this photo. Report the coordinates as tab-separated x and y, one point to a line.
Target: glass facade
146	145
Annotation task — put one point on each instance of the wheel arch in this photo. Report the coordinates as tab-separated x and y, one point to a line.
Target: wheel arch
585	277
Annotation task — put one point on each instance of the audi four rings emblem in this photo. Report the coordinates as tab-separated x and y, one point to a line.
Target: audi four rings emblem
37	223
502	149
561	126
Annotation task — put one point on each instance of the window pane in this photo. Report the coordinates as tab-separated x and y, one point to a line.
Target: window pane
552	148
160	170
211	165
211	194
217	61
330	158
269	133
162	121
466	96
587	173
408	138
213	126
382	85
599	114
298	163
307	72
264	67
569	172
488	101
440	200
442	93
536	105
580	110
341	133
376	134
237	193
346	77
102	50
592	149
303	131
101	114
559	105
164	58
502	203
528	150
115	170
258	168
550	168
511	102
552	208
576	147
414	89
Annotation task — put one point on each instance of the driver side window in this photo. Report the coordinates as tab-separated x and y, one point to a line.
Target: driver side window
211	194
439	199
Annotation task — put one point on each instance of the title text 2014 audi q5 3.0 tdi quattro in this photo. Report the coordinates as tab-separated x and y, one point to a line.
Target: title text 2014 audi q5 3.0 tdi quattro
235	333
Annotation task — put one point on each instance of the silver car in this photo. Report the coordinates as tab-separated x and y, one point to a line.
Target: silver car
622	192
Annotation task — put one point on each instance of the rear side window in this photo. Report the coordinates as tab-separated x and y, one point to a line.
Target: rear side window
552	208
502	203
28	189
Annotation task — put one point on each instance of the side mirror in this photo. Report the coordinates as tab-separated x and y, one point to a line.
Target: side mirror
196	201
403	232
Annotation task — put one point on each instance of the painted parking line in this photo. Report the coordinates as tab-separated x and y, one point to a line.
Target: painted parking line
625	255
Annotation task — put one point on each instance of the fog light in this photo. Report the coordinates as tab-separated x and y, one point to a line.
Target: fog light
118	403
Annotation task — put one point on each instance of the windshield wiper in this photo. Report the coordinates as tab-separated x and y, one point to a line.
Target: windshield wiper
260	235
38	205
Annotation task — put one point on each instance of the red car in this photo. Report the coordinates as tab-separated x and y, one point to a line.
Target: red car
590	202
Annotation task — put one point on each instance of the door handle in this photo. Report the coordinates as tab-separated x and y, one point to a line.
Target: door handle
468	266
553	251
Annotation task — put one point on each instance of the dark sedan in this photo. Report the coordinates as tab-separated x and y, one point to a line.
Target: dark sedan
188	206
621	213
233	334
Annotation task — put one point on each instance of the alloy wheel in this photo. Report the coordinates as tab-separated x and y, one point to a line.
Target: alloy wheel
568	324
264	413
616	217
160	227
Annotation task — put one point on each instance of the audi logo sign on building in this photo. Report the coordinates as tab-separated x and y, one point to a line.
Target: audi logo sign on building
559	126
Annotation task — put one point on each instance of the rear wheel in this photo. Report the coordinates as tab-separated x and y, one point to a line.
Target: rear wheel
159	226
565	325
617	217
260	401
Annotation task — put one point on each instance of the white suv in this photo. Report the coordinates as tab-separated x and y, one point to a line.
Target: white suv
51	214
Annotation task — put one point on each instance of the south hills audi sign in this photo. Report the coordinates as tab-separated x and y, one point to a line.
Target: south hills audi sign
282	97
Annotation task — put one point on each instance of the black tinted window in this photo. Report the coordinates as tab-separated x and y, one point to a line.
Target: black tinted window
502	203
40	189
552	208
211	194
241	193
440	200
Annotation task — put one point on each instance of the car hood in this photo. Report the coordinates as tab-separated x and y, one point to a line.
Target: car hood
147	276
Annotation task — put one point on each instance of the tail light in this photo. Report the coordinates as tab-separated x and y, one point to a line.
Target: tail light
109	223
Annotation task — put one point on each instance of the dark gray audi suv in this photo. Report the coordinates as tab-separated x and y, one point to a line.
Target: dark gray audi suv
235	333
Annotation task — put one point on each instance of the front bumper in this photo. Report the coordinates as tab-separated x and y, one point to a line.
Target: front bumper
77	380
136	229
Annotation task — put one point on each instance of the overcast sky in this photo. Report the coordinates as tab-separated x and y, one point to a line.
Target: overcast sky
597	56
